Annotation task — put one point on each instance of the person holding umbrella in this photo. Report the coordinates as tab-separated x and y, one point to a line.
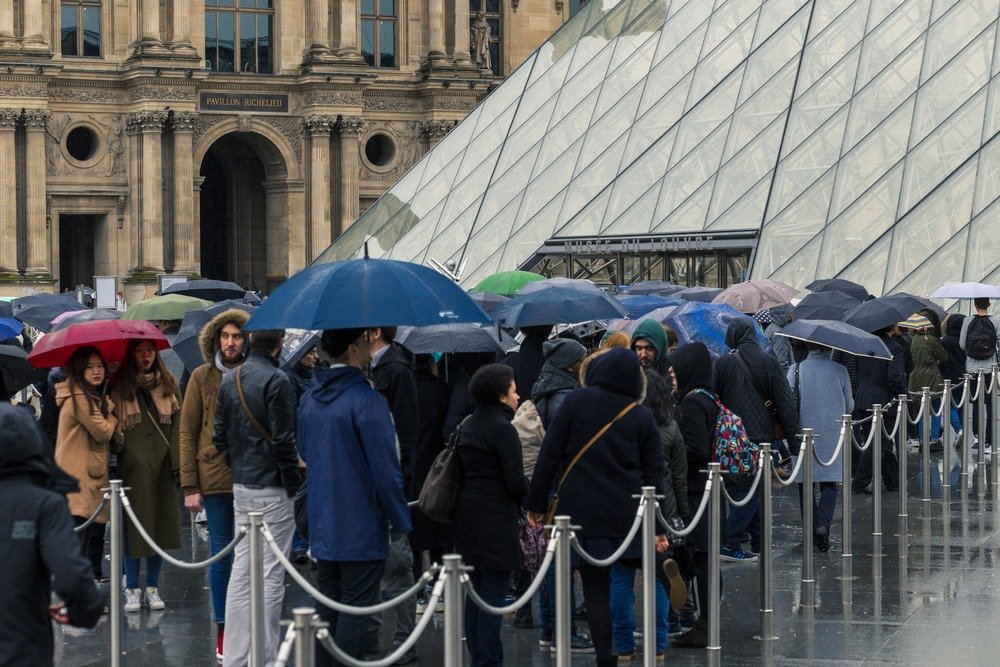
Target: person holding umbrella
145	397
86	426
979	340
928	354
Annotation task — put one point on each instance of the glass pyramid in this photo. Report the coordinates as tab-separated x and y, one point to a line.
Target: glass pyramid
854	138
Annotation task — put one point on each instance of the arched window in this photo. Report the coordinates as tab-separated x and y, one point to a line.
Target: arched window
239	35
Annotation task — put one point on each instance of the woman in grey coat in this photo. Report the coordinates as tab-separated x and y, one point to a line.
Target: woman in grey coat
822	390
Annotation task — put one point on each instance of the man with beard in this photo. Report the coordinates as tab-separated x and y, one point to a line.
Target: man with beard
205	476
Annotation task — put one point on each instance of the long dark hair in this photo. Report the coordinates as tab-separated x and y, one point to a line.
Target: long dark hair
659	398
76	369
126	378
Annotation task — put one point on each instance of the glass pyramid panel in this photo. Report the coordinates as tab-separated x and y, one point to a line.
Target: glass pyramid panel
851	138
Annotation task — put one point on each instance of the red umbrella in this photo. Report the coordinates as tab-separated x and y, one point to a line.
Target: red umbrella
109	336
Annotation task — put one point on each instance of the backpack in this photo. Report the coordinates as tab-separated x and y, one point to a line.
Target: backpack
439	493
734	452
981	338
530	431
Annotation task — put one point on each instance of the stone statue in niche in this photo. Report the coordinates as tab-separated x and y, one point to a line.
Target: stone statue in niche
480	33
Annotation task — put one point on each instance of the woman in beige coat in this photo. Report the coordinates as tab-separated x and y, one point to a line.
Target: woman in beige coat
86	426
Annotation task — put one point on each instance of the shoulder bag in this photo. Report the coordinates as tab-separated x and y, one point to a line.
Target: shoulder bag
779	431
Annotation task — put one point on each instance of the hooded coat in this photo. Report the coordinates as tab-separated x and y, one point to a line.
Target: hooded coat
598	492
49	417
433	395
82	448
39	550
954	368
737	392
825	396
553	386
527	363
781	346
880	381
346	437
928	355
652	331
203	469
395	378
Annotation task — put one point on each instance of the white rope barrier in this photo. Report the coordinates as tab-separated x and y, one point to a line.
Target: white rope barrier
750	494
840	447
285	650
891	435
965	395
795	471
920	410
705	497
550	554
596	562
868	442
93	517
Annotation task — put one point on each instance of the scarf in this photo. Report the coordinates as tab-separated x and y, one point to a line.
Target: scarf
130	412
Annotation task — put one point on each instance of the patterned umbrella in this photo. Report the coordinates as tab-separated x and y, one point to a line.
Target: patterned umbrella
751	296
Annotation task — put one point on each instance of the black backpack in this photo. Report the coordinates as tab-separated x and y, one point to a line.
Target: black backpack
981	338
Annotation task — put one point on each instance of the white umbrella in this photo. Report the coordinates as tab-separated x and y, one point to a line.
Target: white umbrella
966	291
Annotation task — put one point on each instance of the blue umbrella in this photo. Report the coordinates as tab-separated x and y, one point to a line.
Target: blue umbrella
639	305
361	293
297	343
558	281
558	305
661	287
660	315
707	323
9	328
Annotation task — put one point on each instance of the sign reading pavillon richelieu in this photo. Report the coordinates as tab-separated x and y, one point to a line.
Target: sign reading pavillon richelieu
256	102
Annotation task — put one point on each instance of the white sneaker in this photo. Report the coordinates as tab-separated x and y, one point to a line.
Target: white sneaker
133	600
153	600
439	607
421	606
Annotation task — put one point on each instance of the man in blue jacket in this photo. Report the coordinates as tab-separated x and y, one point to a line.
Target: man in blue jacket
347	439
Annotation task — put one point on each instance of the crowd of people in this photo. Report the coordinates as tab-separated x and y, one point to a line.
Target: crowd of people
331	449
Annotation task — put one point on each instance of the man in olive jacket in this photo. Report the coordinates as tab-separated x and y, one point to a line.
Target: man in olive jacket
205	476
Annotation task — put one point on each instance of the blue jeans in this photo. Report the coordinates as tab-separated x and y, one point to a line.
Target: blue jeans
956	419
482	629
623	611
742	519
221	530
935	422
154	564
299	543
547	602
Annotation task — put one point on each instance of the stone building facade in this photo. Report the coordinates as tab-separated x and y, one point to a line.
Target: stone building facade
229	139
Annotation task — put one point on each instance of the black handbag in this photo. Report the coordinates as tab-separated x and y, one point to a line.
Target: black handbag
439	494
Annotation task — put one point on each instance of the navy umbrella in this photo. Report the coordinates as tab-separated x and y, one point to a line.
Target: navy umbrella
445	338
297	343
558	305
699	293
210	290
15	370
883	312
837	335
85	316
639	305
859	292
39	310
661	287
6	309
488	301
186	343
558	281
830	305
360	293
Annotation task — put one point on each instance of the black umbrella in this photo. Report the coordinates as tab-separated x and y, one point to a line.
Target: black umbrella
699	293
837	335
88	316
39	310
859	292
15	371
883	312
929	305
186	343
488	301
297	343
6	309
252	299
211	290
558	305
661	287
830	305
445	338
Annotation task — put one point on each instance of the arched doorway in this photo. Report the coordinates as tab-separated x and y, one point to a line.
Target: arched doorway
239	212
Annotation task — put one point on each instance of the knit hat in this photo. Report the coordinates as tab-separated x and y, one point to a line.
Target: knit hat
563	352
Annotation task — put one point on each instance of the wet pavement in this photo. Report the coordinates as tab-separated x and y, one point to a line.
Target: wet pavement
926	600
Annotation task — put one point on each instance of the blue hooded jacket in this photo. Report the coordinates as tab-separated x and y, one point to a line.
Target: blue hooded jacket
347	439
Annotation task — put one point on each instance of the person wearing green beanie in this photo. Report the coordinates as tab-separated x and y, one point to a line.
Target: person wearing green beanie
649	342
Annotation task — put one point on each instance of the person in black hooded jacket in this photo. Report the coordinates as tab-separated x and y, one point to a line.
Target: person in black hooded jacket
527	362
40	551
954	368
880	382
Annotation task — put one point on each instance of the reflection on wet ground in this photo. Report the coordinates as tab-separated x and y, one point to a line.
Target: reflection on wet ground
924	600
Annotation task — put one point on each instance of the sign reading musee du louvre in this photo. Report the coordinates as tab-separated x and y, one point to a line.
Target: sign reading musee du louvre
256	102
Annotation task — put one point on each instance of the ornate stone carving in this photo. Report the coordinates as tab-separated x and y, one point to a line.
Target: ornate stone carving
179	93
479	41
120	213
333	98
514	4
146	121
36	119
290	127
9	119
317	126
86	95
205	123
407	137
391	104
184	121
450	103
559	6
435	130
244	122
48	211
112	160
19	90
350	125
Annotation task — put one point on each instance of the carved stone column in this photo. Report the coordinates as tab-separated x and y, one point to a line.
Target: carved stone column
433	131
318	129
34	38
150	41
346	46
35	121
180	40
460	49
9	119
319	30
349	128
435	32
147	127
8	41
183	192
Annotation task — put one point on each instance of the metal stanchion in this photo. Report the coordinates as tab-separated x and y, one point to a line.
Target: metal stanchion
305	643
981	425
115	601
967	434
714	545
766	569
847	571
902	456
453	603
946	399
256	547
925	445
876	445
808	576
995	403
649	576
564	583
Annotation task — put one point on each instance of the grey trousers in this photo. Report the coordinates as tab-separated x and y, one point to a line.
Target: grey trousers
397	579
276	507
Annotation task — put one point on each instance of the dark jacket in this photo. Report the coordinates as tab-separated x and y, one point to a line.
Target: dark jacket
493	486
39	550
598	492
954	368
432	400
271	399
303	379
928	355
553	386
49	418
738	394
394	378
880	381
355	483
675	501
527	363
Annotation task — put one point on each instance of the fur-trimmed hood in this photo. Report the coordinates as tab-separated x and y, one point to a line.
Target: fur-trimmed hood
208	339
